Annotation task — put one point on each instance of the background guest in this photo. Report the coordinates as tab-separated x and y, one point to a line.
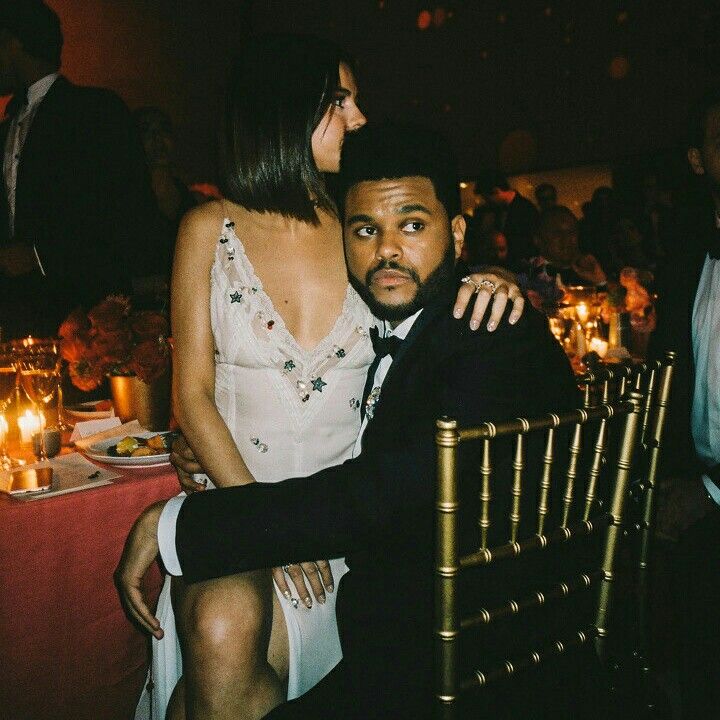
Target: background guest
545	196
76	199
598	223
517	217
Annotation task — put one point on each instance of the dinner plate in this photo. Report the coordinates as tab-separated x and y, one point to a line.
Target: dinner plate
98	452
87	411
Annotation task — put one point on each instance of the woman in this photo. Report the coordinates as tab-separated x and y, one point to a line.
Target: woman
271	354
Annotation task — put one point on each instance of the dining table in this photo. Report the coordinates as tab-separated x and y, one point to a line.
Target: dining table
67	649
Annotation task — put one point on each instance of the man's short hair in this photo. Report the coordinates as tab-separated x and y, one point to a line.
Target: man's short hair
709	100
487	180
390	152
36	26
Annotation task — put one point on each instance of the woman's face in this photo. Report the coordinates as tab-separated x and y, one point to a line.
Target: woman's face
342	116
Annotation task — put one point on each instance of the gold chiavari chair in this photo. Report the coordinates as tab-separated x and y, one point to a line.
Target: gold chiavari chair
562	516
653	379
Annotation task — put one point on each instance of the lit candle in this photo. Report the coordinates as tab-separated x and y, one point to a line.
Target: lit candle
29	424
3	430
599	345
582	312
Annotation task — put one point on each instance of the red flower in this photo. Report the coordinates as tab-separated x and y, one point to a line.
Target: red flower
150	359
85	376
149	325
113	347
111	314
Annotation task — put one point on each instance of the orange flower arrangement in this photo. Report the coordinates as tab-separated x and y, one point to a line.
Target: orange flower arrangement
113	340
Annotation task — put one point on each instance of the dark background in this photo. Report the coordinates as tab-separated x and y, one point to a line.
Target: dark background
533	85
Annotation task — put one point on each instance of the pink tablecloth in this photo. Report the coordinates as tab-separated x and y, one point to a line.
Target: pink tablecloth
66	647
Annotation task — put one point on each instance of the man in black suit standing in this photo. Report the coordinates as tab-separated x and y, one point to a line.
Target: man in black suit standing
76	197
689	322
403	233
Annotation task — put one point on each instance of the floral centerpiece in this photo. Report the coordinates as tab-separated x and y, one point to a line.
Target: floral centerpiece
111	339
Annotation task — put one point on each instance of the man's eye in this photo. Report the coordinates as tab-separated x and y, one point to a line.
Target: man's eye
366	231
339	101
413	226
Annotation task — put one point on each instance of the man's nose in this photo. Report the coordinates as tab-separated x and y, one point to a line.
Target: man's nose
389	246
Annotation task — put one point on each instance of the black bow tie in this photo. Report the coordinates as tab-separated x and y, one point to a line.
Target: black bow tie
384	345
17	102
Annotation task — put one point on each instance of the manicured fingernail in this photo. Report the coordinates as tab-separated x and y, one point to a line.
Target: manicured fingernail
491	325
457	312
330	588
321	599
308	602
474	324
287	595
514	319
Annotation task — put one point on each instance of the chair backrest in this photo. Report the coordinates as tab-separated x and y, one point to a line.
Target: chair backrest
579	513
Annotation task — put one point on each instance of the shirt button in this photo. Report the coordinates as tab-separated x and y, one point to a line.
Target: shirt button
17	156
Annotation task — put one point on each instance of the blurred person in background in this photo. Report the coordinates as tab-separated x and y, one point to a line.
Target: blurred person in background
516	216
76	204
545	196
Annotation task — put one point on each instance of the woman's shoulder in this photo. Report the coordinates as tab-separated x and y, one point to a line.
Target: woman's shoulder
204	218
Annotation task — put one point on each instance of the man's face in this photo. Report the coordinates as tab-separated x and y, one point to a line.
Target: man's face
706	160
559	241
400	245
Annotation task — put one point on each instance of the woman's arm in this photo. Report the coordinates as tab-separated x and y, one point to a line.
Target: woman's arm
194	349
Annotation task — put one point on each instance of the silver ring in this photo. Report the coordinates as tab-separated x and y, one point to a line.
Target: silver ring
485	284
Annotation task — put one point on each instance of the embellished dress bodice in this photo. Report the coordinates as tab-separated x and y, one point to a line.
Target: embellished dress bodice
290	411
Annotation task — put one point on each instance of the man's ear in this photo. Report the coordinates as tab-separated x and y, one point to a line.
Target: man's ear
458	226
695	159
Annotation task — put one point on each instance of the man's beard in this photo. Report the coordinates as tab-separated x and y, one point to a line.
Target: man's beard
435	287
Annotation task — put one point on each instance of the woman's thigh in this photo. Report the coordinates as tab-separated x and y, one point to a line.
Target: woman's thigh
239	610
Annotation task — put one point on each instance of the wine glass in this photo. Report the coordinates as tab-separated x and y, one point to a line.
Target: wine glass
39	367
8	381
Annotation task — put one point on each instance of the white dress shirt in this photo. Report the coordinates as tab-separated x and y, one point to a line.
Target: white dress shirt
17	133
169	515
706	351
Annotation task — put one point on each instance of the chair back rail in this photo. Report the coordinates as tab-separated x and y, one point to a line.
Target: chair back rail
450	562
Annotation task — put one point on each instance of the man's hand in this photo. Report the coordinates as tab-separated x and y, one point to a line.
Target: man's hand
588	268
141	549
183	459
505	289
17	259
319	576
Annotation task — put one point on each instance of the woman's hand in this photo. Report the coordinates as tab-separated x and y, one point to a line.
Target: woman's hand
318	574
186	465
495	283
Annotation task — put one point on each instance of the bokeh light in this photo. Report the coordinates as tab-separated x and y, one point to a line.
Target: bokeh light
424	20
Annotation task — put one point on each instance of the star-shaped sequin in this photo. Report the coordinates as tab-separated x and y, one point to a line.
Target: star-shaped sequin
340	352
318	384
288	366
223	240
235	297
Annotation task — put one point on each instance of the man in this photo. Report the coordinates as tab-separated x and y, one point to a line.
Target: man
546	196
560	254
403	233
518	217
76	198
689	322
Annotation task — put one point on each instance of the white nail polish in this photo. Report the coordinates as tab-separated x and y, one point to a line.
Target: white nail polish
474	324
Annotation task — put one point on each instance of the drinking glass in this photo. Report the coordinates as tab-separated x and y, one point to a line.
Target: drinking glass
39	367
8	385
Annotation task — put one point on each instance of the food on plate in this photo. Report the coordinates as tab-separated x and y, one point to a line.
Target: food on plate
103	406
132	446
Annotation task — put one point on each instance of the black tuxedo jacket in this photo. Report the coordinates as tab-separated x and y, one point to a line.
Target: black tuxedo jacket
83	199
377	509
677	283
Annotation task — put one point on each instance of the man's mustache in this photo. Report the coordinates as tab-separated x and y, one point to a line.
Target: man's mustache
392	265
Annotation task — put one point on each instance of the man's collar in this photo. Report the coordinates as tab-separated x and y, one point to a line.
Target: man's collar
37	91
401	330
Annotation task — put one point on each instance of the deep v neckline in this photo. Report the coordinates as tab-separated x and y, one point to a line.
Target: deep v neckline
322	346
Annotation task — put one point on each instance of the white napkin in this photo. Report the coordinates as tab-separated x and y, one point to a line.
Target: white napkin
71	473
105	429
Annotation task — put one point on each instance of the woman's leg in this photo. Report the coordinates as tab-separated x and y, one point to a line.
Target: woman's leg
235	648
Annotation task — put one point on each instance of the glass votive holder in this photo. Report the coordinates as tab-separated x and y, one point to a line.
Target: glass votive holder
52	442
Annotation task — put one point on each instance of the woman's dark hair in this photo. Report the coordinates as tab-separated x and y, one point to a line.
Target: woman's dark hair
280	88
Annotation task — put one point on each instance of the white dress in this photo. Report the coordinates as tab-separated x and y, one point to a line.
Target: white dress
291	413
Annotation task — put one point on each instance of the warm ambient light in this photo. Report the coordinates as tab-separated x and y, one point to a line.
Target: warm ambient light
29	424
